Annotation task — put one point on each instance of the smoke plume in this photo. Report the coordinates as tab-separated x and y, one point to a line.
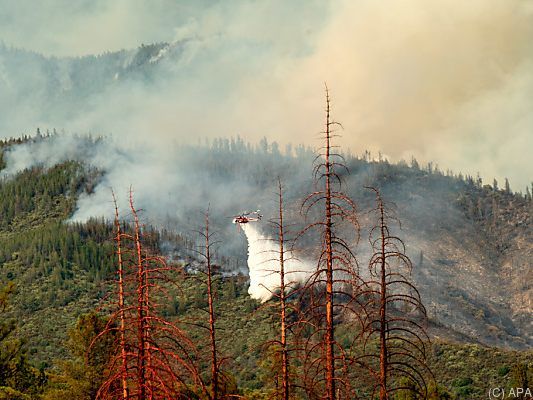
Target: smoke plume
445	81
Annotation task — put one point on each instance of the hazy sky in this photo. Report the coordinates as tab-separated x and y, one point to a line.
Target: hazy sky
445	80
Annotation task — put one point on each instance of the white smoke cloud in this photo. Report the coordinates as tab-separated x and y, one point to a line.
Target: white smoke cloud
446	81
263	265
172	187
164	184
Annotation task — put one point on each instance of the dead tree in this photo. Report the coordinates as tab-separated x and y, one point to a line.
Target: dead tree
285	385
330	288
399	317
121	303
152	358
205	252
281	296
212	316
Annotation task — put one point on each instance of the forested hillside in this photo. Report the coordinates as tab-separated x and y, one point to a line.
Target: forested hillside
470	244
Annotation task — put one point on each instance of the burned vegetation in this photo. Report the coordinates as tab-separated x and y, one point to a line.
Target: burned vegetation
330	289
347	331
152	357
397	318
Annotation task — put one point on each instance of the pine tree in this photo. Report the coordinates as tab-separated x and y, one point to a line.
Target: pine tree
153	356
507	186
330	287
398	316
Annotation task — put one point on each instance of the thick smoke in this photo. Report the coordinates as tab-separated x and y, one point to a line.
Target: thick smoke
263	264
173	187
122	167
446	81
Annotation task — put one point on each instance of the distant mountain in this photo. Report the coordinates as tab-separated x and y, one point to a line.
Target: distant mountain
51	90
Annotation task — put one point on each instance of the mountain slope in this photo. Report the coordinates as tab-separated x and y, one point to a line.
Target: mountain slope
471	245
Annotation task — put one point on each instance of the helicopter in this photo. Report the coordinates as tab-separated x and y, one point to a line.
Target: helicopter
248	216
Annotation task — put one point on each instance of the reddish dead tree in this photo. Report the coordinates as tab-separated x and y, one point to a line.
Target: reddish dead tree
285	384
209	274
152	358
399	317
330	288
281	346
121	304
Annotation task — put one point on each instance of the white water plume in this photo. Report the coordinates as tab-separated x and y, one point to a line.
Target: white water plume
263	264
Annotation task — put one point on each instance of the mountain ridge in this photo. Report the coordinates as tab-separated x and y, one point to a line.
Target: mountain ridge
470	244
